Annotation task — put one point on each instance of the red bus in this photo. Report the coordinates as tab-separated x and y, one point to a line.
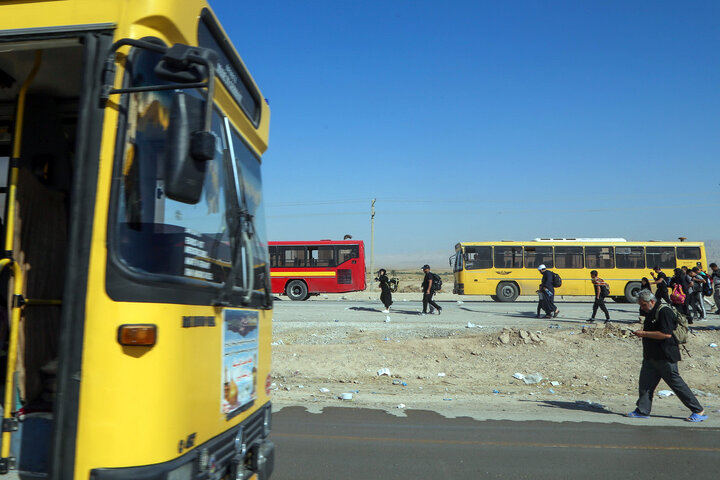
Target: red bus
301	269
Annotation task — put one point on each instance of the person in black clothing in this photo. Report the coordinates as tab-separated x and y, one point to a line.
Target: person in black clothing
660	280
681	278
549	291
385	292
428	291
600	293
645	284
660	357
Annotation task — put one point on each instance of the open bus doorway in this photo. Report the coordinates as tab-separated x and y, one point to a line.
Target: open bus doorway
40	81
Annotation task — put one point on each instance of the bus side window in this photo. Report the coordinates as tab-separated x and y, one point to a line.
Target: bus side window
599	257
569	257
664	257
688	253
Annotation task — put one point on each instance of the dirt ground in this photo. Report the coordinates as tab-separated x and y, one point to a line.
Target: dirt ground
463	362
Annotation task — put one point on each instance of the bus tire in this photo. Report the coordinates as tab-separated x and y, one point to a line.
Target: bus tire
507	291
297	290
495	298
631	291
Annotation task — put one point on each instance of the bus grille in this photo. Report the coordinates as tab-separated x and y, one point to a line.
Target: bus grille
344	277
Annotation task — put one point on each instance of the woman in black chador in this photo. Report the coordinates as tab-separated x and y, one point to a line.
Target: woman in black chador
385	292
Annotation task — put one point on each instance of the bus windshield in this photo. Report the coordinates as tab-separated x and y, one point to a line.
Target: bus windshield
158	235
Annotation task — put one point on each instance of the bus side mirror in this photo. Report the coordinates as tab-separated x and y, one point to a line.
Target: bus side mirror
188	148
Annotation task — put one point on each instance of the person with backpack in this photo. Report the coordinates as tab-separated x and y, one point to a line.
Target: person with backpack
697	289
385	289
602	290
661	354
661	282
548	287
681	282
431	284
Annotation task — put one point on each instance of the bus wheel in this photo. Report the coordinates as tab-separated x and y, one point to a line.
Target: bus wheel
297	290
631	291
507	292
495	298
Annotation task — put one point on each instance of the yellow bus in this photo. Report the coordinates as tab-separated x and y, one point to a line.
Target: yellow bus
137	332
506	269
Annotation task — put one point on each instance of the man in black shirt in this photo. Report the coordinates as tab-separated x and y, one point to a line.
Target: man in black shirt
428	291
660	357
660	280
546	284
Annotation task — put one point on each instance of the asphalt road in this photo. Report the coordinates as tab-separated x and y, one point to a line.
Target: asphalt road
350	444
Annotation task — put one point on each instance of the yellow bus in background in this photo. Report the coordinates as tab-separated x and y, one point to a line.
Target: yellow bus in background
138	340
506	269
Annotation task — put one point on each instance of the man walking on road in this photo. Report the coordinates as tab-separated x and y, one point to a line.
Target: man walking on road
428	291
660	280
660	356
549	290
600	293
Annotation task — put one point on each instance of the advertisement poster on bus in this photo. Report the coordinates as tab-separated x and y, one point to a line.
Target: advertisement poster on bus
239	362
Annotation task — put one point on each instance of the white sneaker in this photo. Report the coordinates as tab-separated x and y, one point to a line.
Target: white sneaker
386	311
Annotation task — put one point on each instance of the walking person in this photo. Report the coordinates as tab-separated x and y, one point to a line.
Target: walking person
385	290
541	301
697	286
660	356
549	291
715	278
601	291
645	284
681	278
428	291
661	282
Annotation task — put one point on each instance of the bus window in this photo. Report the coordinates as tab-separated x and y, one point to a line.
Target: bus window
508	257
347	252
294	257
477	257
536	256
599	257
569	257
688	253
630	257
322	255
663	257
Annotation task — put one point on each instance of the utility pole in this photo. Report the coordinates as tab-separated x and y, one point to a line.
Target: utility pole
372	242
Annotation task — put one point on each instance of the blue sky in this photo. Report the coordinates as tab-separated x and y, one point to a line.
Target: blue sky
474	120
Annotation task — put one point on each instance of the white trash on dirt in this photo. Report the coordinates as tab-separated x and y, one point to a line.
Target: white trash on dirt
400	405
470	325
346	396
441	374
324	390
665	393
554	383
383	371
519	376
387	318
713	345
533	378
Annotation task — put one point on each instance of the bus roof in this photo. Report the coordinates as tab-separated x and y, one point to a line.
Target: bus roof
579	241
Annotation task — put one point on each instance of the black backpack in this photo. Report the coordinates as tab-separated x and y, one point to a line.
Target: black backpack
605	290
437	282
556	280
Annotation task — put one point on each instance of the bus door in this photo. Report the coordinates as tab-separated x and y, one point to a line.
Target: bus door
48	150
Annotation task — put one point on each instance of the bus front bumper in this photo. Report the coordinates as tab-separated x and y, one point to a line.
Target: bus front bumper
216	459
